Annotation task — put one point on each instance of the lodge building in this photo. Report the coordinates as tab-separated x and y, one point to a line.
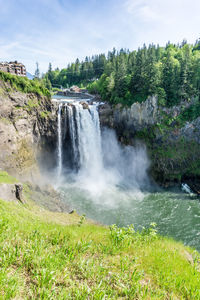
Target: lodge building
13	67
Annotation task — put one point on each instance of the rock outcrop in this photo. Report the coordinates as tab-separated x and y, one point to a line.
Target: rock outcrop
129	120
27	131
28	135
174	150
11	192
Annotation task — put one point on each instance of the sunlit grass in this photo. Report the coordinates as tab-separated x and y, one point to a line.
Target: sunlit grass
43	258
5	178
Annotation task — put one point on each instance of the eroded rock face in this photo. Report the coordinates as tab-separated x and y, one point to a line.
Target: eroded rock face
27	131
174	152
45	196
18	191
85	105
139	115
191	131
134	118
11	192
8	192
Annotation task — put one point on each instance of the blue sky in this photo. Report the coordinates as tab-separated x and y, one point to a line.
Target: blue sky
59	31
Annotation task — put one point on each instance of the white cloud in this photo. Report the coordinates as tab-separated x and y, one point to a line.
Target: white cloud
156	10
133	5
148	14
159	21
142	9
59	34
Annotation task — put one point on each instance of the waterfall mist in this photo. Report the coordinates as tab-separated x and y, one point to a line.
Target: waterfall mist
59	148
108	182
129	164
93	163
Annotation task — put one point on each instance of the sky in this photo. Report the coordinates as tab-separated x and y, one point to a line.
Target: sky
59	31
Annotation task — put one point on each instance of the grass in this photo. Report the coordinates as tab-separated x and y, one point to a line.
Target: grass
24	85
32	103
47	255
5	178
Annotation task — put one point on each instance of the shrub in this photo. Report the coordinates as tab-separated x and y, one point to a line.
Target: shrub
24	85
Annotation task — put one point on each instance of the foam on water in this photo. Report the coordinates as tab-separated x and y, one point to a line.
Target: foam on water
100	165
108	182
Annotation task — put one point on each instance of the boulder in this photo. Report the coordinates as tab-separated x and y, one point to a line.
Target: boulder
11	192
18	191
85	105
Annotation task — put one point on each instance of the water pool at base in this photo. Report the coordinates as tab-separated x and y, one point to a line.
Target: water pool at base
106	181
176	214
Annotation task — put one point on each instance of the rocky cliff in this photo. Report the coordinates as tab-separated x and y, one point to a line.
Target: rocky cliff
27	131
173	146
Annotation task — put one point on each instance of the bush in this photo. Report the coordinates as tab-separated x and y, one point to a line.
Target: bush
125	236
25	85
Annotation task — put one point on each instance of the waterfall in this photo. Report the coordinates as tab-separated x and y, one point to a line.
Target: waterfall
73	135
89	143
82	125
95	160
59	146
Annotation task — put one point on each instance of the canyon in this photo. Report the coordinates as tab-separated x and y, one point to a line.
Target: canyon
107	162
28	126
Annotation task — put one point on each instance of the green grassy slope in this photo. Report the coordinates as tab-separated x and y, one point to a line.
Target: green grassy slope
56	256
24	85
6	178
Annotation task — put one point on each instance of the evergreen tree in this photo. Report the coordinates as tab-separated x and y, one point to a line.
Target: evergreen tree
138	80
37	71
152	72
120	75
50	68
171	73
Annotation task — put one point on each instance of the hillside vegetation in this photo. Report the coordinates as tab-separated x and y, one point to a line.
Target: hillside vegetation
46	255
24	85
172	73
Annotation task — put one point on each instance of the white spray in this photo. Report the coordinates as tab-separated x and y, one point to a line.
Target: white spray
59	146
104	166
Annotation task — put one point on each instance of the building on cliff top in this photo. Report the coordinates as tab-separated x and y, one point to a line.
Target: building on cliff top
76	89
13	67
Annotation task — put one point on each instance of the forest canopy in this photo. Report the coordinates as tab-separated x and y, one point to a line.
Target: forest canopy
171	72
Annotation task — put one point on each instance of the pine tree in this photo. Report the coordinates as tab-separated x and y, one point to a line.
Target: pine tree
50	68
138	80
37	71
120	75
171	75
152	72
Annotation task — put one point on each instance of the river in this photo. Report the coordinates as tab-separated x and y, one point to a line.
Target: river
176	214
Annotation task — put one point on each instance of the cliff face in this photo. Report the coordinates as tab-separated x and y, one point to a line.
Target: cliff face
27	131
130	120
174	150
28	135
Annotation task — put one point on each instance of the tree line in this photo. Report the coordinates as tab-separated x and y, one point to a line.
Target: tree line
171	72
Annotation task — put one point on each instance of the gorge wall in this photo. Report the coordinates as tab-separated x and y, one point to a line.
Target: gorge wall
173	147
28	129
28	143
28	132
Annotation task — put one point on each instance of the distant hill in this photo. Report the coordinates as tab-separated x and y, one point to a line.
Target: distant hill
29	75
